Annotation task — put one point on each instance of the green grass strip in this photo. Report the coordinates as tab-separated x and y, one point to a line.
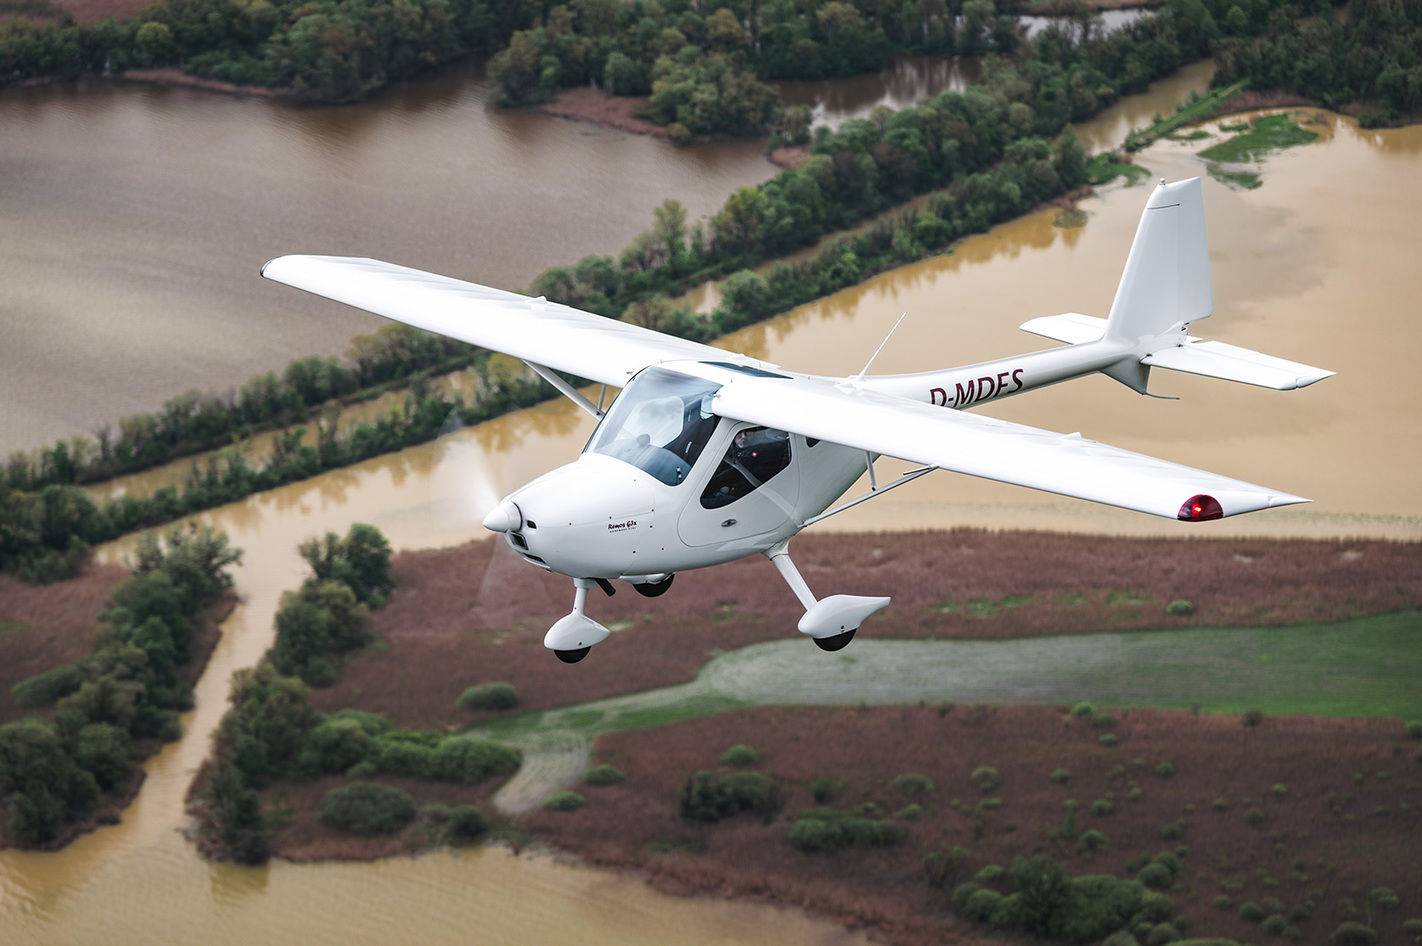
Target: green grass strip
1270	133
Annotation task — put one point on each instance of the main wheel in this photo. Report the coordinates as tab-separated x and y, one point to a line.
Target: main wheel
837	642
654	589
572	656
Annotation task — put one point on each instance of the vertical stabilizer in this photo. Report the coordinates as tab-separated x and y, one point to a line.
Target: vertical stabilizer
1167	277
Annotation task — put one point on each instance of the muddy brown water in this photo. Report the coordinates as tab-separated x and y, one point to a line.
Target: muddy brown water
1315	265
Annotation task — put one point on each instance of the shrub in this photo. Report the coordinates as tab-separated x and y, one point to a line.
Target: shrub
708	799
823	788
986	778
1171	861
465	823
1412	927
367	808
1156	876
1069	820
990	874
813	836
1173	831
1098	904
1292	933
1254	817
1101	808
1165	770
740	756
1279	791
603	775
1135	794
942	866
1009	914
1414	729
1156	908
1251	911
1222	902
913	784
1220	804
565	801
1161	934
962	894
1353	933
471	759
1092	840
1060	776
1108	740
405	758
488	696
43	689
1274	924
334	746
981	905
1180	606
909	813
1103	720
1121	938
752	791
1083	710
825	830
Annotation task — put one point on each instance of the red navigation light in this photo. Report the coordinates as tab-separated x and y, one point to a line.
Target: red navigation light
1200	508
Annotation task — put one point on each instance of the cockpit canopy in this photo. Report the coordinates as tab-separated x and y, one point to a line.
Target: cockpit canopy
659	424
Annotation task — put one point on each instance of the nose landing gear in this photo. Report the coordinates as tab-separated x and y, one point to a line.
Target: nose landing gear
573	636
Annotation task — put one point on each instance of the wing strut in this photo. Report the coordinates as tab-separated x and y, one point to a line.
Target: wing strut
876	491
567	390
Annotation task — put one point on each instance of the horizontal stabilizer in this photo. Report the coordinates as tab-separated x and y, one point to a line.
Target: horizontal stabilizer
1072	327
1232	363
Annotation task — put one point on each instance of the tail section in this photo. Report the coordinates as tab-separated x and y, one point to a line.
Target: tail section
1166	283
1165	287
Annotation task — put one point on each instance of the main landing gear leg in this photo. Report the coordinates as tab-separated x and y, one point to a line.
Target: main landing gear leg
829	622
573	636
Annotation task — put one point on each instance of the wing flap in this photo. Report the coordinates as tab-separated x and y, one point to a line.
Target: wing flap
983	446
532	329
1232	363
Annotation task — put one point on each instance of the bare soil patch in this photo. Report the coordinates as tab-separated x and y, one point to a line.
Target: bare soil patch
92	11
790	158
302	837
597	107
476	614
178	77
48	626
1345	818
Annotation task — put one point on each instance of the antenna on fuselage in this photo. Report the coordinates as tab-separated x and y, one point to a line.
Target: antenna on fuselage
860	377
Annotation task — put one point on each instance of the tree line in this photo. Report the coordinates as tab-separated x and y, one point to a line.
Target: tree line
46	533
988	153
273	733
1368	52
703	64
119	704
196	421
326	50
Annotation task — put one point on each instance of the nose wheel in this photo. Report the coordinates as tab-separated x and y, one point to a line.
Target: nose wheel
573	636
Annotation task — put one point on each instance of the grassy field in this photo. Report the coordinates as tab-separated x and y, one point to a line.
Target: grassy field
1269	133
1362	667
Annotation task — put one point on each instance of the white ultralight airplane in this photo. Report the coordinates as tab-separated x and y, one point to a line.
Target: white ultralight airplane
708	456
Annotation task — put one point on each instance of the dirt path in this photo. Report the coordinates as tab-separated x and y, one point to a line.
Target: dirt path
1361	667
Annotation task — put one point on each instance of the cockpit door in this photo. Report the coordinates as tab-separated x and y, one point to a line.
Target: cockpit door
750	490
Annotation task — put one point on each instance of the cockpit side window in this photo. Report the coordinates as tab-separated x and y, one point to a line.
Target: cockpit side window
658	424
754	457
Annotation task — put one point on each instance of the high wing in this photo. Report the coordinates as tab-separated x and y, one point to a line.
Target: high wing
533	329
984	446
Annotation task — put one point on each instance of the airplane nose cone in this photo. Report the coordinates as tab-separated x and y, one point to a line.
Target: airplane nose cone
505	517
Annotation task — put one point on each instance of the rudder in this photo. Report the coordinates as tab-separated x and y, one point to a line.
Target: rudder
1167	276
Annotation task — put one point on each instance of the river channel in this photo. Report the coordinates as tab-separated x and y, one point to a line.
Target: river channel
1313	266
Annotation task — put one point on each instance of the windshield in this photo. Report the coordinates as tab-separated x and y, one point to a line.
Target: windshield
657	424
